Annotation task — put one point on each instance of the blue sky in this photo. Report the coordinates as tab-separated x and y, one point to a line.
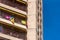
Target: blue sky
51	19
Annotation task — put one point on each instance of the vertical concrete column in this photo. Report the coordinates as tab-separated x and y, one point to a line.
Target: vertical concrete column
31	22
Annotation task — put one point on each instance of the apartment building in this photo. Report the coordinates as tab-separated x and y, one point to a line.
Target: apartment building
13	19
21	20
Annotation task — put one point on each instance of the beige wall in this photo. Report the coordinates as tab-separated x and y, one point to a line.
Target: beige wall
31	31
32	20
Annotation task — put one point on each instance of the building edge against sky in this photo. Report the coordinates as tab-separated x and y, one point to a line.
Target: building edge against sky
35	20
32	14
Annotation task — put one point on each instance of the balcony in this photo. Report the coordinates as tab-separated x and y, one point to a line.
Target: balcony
15	4
12	9
1	38
9	37
10	23
18	21
22	0
11	33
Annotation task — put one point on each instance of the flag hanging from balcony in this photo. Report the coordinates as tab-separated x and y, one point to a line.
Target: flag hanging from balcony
12	19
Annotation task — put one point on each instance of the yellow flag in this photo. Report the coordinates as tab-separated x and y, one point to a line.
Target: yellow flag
12	20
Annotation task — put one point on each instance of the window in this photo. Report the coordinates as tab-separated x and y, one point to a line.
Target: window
1	28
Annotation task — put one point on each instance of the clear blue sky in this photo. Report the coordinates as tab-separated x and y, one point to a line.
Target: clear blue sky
51	22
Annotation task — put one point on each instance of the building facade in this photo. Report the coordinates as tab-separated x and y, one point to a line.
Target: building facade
13	20
21	20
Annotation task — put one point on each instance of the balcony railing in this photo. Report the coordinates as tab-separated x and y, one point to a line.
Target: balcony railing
22	0
16	18
18	22
2	38
15	4
10	23
7	8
